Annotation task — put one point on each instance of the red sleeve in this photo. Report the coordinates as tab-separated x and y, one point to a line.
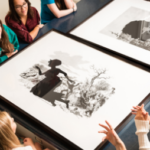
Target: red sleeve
22	34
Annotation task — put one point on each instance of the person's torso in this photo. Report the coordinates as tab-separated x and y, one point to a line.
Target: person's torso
46	14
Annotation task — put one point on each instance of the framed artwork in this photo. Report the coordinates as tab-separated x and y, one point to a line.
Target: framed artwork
70	87
122	27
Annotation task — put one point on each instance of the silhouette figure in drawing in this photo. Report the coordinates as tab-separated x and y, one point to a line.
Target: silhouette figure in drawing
45	88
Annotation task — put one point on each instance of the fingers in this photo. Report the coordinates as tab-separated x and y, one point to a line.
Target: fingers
103	131
134	110
142	107
104	127
111	128
135	107
134	113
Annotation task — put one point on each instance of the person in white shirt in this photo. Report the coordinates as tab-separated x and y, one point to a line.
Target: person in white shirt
8	138
142	122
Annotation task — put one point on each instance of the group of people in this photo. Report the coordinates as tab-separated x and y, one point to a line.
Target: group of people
9	140
23	22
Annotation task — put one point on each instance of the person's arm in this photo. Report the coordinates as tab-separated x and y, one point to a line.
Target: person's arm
65	74
22	34
3	58
142	126
112	136
40	72
35	31
60	13
69	4
6	56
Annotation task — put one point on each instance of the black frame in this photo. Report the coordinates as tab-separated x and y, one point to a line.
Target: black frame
59	141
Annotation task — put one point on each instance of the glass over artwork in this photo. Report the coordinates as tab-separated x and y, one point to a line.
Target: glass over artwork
70	87
122	27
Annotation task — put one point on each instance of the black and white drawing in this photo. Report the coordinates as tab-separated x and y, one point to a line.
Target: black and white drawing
52	84
133	27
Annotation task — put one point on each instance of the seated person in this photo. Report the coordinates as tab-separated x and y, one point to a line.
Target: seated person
8	42
51	9
9	140
23	20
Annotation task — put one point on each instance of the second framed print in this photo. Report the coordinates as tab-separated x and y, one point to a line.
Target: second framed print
70	87
123	27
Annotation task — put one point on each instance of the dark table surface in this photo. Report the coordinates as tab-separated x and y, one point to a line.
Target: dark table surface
86	8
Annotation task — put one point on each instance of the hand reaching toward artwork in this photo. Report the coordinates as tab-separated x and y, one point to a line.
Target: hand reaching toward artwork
112	136
140	113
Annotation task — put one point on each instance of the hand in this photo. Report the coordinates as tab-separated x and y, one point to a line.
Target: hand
111	135
75	7
29	142
140	113
11	54
40	26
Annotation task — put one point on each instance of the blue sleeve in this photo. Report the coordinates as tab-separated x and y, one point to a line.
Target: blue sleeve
12	37
3	58
14	40
49	1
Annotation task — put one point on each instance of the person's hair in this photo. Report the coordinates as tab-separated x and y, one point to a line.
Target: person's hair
60	4
4	41
13	14
8	139
55	62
